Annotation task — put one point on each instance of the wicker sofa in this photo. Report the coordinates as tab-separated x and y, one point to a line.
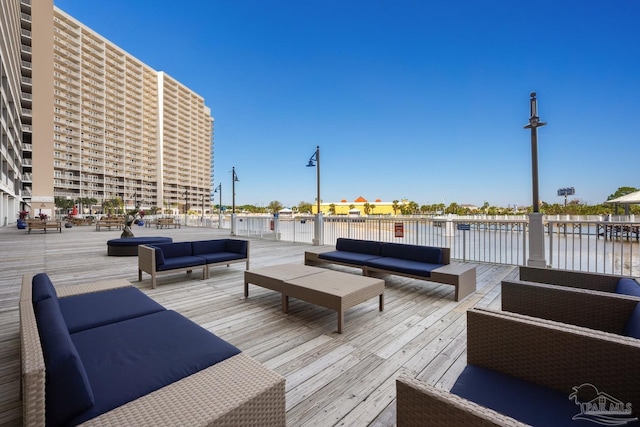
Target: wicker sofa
187	256
523	370
93	354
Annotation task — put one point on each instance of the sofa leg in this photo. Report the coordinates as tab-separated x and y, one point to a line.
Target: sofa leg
139	275
153	281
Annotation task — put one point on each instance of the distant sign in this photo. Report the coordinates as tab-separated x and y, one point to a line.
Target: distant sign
569	191
399	229
464	227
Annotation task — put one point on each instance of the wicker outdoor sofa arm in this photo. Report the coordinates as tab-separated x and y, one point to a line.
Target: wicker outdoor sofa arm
574	279
602	311
419	404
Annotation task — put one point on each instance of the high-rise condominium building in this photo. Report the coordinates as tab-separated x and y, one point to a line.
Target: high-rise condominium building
102	124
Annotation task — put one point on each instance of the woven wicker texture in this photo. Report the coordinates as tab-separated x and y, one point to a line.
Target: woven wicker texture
574	279
99	286
419	404
236	392
553	354
591	309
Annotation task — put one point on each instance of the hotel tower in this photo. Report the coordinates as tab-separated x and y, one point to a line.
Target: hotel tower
82	118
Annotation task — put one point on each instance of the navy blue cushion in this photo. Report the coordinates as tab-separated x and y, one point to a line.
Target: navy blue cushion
42	288
629	287
525	401
180	262
94	309
172	250
208	246
129	359
369	247
67	388
134	241
355	258
403	266
237	246
427	254
221	257
632	326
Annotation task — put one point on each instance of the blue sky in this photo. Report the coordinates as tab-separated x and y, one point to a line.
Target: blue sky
407	99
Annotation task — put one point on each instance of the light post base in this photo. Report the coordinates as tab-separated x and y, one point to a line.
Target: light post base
536	241
233	224
318	230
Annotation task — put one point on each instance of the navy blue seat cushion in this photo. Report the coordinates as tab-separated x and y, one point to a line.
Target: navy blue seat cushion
221	257
134	241
180	262
632	326
525	401
67	388
129	359
628	286
356	258
369	247
94	309
428	254
237	246
208	246
42	288
403	266
172	250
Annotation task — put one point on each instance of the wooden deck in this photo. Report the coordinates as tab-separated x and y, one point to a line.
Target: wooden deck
332	379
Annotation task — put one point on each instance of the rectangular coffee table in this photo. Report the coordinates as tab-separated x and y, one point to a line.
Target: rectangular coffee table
327	288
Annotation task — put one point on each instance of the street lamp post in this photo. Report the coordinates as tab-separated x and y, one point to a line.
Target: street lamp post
234	179
536	228
314	161
218	190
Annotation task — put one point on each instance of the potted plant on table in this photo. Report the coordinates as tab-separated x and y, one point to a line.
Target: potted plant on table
22	219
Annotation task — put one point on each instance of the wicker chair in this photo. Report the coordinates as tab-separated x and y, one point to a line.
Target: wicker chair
574	279
603	311
539	351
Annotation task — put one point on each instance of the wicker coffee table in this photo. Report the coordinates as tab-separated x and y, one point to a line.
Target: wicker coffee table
327	288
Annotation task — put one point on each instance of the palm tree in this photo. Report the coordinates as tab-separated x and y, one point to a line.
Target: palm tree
395	207
332	208
367	208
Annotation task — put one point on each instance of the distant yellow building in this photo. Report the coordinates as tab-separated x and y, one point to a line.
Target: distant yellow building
357	208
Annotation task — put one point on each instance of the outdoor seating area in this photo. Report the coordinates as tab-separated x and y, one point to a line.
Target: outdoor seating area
412	356
415	261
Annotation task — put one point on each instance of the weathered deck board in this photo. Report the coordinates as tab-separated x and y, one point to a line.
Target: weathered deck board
332	379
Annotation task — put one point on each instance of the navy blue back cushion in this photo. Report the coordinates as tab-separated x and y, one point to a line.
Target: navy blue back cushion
525	401
208	246
632	327
237	246
172	250
361	246
67	388
629	287
42	288
427	254
130	359
100	308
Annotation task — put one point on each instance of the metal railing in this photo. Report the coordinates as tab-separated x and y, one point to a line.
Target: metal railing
593	245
